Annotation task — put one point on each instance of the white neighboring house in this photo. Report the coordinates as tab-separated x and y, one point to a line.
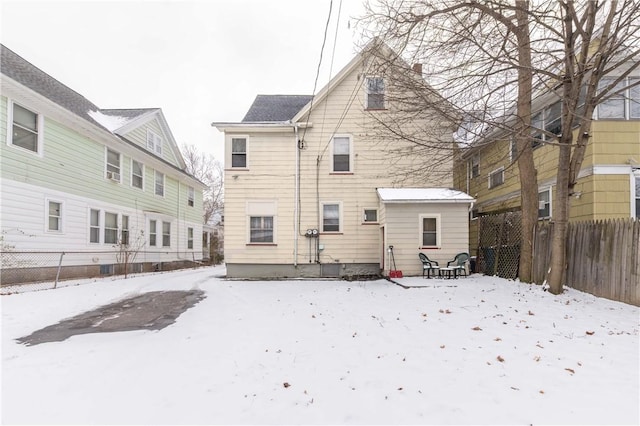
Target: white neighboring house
303	177
88	182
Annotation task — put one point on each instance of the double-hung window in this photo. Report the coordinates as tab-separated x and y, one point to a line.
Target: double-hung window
261	229
154	143
613	106
110	228
239	152
153	232
430	231
166	234
341	158
496	178
113	165
159	183
634	97
474	166
55	216
94	226
137	174
375	93
331	217
191	196
124	232
26	129
544	204
190	238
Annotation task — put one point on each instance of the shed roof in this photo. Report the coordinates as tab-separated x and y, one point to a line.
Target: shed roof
425	195
275	108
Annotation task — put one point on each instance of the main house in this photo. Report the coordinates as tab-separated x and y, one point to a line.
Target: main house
315	186
95	184
608	185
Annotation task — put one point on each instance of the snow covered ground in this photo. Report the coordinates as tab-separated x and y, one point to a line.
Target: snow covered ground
479	350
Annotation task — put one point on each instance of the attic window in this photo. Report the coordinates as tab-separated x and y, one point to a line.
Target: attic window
154	142
375	93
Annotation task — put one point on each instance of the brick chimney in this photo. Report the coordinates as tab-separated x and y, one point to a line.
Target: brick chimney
417	68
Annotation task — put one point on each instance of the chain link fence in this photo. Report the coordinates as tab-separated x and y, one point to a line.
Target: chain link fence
500	236
38	270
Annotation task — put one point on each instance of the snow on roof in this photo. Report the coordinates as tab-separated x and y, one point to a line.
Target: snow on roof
110	122
446	195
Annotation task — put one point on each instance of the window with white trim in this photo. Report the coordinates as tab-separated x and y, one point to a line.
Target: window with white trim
166	234
331	217
341	154
54	214
190	238
26	130
496	178
261	229
113	165
191	196
430	231
239	152
110	228
624	101
544	204
94	226
153	232
374	93
137	174
513	149
474	166
370	216
159	183
124	232
154	142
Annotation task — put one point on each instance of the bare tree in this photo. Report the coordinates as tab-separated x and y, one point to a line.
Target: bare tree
208	170
477	56
594	40
489	58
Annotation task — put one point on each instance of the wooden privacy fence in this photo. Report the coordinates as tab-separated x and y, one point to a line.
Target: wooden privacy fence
603	258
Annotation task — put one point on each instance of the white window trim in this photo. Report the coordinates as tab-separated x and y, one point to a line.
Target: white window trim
46	216
143	174
350	171
154	142
107	174
366	93
100	226
190	239
370	221
149	220
230	151
498	170
549	190
340	219
164	184
162	233
191	196
104	227
475	159
40	124
438	219
261	208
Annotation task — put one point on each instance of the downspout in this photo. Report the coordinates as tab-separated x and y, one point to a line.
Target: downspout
296	197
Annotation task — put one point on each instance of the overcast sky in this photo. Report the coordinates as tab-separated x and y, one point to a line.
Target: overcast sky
199	60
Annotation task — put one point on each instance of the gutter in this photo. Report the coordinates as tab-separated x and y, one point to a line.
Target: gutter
296	197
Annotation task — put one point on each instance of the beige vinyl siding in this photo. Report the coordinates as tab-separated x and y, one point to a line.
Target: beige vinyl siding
403	232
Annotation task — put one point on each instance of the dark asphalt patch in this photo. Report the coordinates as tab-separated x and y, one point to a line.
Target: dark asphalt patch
149	311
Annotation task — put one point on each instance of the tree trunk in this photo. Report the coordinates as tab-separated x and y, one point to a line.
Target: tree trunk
526	166
560	217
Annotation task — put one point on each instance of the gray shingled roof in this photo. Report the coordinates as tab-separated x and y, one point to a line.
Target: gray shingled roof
22	71
276	108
